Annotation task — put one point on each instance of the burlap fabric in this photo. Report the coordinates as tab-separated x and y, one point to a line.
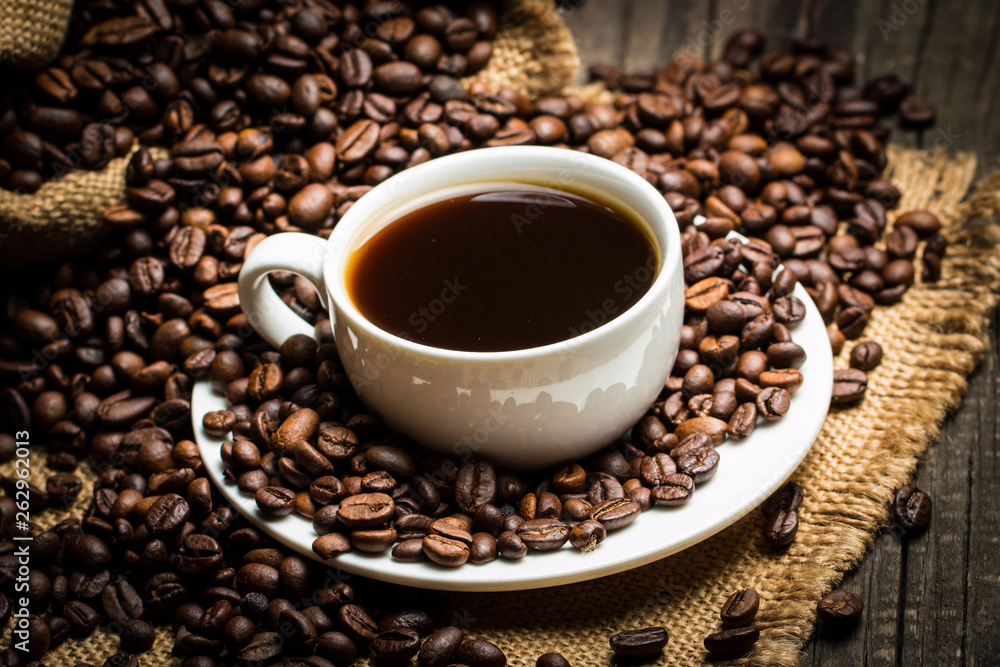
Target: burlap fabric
31	31
932	340
533	51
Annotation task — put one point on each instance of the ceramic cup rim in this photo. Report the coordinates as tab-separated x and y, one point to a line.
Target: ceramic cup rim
342	243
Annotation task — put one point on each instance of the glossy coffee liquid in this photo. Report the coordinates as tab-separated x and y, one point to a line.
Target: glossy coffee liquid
502	266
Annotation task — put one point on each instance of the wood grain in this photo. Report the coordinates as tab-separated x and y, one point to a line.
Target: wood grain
929	599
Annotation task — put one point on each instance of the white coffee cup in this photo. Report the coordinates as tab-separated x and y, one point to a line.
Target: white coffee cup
520	408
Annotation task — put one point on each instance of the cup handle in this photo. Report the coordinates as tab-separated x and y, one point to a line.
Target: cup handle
299	253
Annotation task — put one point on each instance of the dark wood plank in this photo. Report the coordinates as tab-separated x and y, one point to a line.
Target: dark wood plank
874	641
778	20
657	31
982	632
599	29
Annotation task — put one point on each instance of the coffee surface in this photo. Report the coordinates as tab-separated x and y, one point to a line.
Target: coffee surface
506	266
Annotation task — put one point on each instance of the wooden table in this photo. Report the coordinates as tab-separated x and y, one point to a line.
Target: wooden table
930	600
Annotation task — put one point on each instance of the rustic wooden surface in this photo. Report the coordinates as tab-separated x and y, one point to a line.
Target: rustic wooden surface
929	600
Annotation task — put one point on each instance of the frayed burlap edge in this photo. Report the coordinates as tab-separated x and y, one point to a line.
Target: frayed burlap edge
932	341
533	51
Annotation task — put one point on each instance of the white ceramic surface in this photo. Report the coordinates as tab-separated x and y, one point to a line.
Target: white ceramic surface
748	472
522	408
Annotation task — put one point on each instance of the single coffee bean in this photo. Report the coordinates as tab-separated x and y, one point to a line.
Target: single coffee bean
740	608
866	355
732	641
615	513
552	659
911	509
356	623
121	602
639	643
438	649
137	636
587	534
544	534
780	528
773	403
840	609
788	498
397	644
337	648
479	653
446	551
675	490
700	465
849	386
366	510
511	546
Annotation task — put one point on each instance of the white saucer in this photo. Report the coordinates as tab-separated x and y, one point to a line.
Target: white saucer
749	471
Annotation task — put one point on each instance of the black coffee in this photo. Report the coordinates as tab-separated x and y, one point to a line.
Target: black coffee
505	266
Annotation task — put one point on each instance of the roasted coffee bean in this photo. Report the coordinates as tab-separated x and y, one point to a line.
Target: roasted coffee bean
675	490
544	534
552	659
479	653
398	644
166	515
264	648
475	486
587	534
616	513
780	528
365	510
121	602
356	623
39	638
275	500
438	649
788	498
700	465
772	403
840	609
916	112
137	636
924	223
81	616
740	608
866	355
911	509
446	551
639	643
511	546
849	386
732	641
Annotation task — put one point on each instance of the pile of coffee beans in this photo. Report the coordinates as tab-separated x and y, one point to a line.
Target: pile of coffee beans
367	489
737	616
279	116
309	72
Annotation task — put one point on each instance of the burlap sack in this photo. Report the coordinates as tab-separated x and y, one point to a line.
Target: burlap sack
533	51
31	31
932	340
